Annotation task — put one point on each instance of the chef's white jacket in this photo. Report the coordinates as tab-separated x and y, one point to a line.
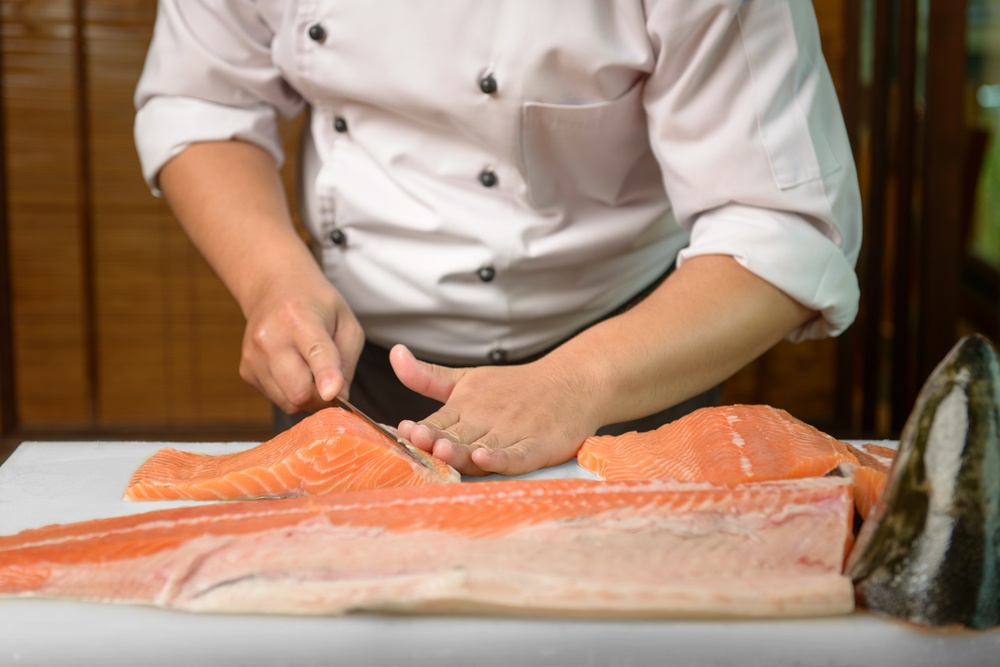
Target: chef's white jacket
485	177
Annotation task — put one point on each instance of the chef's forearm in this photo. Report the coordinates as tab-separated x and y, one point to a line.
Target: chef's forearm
229	198
710	318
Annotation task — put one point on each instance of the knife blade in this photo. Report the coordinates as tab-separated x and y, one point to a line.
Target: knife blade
401	443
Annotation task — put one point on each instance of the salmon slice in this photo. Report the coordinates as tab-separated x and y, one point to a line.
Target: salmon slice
731	444
330	451
874	461
557	546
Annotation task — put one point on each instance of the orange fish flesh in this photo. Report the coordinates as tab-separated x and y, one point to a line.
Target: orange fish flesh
870	476
731	444
562	546
735	444
330	451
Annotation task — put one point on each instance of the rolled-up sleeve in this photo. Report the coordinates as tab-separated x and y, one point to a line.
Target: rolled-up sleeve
209	76
747	128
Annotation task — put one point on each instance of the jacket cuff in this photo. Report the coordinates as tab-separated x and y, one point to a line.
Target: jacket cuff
791	254
165	126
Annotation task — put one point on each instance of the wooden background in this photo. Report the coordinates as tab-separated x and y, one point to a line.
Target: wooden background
116	326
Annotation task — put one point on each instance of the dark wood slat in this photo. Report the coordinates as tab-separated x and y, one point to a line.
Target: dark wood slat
942	249
847	406
85	209
871	262
981	297
906	266
8	397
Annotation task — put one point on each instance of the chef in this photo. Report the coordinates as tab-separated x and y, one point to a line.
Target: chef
529	220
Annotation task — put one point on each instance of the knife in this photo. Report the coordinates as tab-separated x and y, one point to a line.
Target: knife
401	443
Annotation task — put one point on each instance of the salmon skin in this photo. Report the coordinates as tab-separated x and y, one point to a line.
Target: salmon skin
330	451
929	552
556	547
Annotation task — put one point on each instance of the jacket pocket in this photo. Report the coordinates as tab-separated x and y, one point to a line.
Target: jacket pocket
598	150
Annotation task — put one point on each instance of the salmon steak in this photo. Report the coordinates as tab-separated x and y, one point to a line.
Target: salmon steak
330	451
556	546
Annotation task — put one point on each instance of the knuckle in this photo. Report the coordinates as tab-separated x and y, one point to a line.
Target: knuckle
317	350
433	423
454	434
489	440
289	311
259	335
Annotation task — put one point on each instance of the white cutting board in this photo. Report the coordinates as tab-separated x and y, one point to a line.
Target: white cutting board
50	482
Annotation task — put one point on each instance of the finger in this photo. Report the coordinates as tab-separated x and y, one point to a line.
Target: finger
258	375
517	459
419	435
290	383
427	379
349	340
270	389
458	456
448	444
518	456
441	426
323	362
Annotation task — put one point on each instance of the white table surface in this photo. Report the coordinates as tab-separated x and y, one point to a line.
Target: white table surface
60	482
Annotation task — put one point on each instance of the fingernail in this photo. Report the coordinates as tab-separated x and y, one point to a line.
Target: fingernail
327	391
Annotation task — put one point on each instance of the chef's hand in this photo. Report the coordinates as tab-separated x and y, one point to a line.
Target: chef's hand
497	419
301	343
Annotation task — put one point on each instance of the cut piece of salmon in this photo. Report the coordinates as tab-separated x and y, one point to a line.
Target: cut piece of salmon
558	546
874	461
730	444
330	451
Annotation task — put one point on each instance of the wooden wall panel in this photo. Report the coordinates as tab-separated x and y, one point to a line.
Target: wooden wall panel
831	16
8	409
43	207
117	321
168	332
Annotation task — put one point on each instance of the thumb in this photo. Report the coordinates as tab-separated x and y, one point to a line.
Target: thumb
430	380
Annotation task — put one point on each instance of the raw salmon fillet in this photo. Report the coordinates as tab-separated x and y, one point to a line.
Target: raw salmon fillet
731	444
558	546
875	461
328	452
